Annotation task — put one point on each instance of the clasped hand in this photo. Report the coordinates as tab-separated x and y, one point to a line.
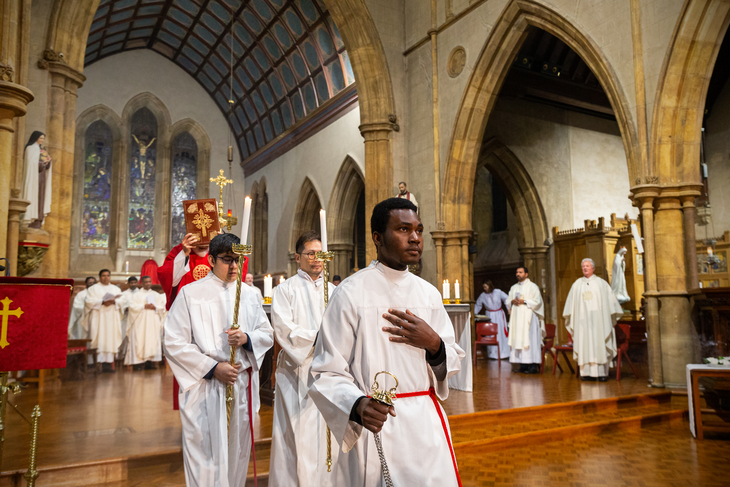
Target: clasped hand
412	330
236	338
226	372
373	414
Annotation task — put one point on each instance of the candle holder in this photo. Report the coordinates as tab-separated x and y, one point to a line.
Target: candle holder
457	301
267	299
325	258
447	301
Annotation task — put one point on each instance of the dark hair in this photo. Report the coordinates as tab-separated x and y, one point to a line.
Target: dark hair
522	267
222	243
305	238
145	277
86	281
336	277
403	183
103	271
381	212
34	138
132	279
490	284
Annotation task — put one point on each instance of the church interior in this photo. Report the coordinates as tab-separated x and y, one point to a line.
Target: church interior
532	133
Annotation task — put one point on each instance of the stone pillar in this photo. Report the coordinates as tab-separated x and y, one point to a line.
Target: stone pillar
452	257
690	241
61	132
678	335
651	294
16	207
378	171
13	102
340	264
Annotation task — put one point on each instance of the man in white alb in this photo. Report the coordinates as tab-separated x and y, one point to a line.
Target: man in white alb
404	193
197	344
146	310
298	441
78	327
383	318
591	312
103	303
526	323
126	298
249	282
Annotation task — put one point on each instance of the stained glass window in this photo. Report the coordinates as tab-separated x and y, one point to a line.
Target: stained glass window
142	164
95	220
184	177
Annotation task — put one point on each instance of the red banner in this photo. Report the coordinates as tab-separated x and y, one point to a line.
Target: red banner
34	323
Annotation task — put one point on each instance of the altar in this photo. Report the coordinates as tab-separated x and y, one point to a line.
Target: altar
460	315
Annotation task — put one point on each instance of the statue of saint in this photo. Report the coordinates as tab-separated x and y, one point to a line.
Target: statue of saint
618	278
37	180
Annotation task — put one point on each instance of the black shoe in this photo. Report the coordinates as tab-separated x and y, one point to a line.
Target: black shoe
106	368
532	369
586	378
603	379
523	369
149	365
137	367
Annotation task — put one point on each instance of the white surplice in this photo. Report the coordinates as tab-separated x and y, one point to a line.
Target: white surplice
143	327
491	305
195	341
105	322
78	327
352	347
526	324
124	303
591	312
298	440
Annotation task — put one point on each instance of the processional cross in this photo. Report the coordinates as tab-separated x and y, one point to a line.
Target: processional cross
221	181
6	313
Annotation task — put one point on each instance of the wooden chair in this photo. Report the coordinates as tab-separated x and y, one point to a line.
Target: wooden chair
564	349
623	335
80	347
486	335
547	345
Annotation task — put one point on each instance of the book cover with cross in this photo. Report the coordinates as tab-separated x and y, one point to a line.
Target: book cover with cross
201	219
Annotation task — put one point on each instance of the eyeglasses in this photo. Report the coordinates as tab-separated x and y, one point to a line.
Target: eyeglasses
228	260
309	255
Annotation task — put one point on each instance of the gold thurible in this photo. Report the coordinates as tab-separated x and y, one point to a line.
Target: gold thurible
324	258
240	250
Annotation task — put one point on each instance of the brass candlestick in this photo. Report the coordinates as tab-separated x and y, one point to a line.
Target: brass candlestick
4	389
242	251
325	258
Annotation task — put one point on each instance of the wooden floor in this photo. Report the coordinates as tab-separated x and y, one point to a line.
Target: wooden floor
555	430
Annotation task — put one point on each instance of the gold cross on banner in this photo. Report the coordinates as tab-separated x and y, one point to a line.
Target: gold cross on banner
203	222
6	313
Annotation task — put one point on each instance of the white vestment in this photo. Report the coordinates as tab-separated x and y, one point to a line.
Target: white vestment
298	440
105	322
618	277
352	347
124	302
491	305
526	324
195	341
78	327
144	327
258	291
591	312
30	184
408	196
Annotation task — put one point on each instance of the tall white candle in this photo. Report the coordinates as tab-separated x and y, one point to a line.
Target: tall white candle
457	294
281	279
267	286
126	266
446	290
246	218
323	229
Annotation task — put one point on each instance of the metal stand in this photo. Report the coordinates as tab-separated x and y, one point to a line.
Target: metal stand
325	258
32	474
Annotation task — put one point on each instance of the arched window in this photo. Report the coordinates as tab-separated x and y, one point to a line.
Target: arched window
184	181
96	211
142	165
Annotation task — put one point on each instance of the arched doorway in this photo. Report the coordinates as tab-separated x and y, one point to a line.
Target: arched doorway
346	220
306	218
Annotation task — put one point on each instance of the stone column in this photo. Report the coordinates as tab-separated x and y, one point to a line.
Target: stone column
61	132
13	102
16	207
378	171
452	257
690	241
340	264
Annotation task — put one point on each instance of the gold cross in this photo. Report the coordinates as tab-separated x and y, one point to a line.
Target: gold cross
221	180
203	222
6	313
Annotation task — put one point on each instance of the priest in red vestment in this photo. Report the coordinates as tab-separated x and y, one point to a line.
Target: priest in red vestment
186	262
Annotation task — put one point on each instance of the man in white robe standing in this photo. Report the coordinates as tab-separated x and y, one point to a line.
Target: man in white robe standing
146	310
299	440
127	294
383	318
526	323
78	327
591	312
197	344
103	303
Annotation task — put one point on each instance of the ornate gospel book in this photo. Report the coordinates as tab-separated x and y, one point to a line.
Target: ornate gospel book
201	219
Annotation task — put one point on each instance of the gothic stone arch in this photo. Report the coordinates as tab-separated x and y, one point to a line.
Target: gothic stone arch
341	214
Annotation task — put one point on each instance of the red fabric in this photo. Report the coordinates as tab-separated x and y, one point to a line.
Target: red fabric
165	275
34	323
432	394
149	268
250	426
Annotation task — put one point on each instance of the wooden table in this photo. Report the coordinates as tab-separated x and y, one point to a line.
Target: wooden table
694	372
